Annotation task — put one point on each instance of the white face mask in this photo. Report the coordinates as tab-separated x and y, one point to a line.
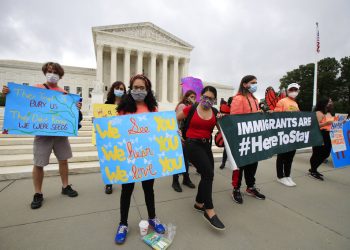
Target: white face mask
118	93
293	94
52	78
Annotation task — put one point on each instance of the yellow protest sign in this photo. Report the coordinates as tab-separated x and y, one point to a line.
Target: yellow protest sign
102	110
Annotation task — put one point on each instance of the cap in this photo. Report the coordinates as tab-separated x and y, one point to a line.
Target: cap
293	85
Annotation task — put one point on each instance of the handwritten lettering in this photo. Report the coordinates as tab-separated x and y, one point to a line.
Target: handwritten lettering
170	164
118	175
165	124
111	132
138	173
17	115
135	129
37	104
22	93
116	154
137	154
166	144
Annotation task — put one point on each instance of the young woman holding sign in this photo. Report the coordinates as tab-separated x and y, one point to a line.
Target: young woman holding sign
244	102
114	96
320	153
188	99
284	161
202	120
138	99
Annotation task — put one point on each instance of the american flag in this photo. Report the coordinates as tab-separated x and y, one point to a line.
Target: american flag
317	39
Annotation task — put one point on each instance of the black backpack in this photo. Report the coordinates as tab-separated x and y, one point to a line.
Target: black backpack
184	125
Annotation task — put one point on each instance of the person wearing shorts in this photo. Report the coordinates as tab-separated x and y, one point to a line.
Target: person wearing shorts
44	145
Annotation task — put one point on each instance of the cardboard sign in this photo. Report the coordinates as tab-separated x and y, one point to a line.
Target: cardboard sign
37	111
138	147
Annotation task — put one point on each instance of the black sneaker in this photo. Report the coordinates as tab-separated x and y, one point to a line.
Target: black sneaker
108	189
214	221
188	183
176	186
198	208
37	201
69	191
237	196
253	191
310	171
222	166
316	176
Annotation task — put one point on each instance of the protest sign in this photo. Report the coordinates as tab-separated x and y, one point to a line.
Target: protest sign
341	158
138	147
258	136
37	111
191	83
102	110
336	133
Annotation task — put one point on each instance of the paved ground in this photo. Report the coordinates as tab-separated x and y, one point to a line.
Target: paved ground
312	215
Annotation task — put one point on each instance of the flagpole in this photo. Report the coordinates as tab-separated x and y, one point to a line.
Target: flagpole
315	73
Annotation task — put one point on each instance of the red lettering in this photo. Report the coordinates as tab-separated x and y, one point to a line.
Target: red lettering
135	129
138	173
137	154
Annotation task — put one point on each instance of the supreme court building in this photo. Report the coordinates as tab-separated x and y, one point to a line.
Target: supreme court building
121	51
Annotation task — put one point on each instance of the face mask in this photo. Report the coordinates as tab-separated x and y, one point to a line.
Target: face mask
293	94
206	103
52	78
118	92
138	95
253	88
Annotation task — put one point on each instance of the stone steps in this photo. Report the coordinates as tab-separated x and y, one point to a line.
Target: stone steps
6	141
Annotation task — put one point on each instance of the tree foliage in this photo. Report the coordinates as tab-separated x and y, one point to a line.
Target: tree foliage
333	81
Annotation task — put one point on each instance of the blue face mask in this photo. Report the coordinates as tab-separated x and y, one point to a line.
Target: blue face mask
253	88
118	93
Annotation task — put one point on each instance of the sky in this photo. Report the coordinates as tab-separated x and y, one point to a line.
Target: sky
231	38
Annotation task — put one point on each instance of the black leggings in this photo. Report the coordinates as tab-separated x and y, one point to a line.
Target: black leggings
201	156
125	198
320	153
284	164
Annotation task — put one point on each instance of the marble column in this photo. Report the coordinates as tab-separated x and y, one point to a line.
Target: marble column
99	63
139	62
175	89
186	65
163	97
126	66
113	65
153	71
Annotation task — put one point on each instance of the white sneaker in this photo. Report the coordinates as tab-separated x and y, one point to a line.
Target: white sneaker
290	180
284	181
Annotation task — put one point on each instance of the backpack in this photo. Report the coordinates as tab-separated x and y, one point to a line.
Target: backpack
184	125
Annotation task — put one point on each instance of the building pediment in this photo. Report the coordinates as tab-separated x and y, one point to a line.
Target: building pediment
144	31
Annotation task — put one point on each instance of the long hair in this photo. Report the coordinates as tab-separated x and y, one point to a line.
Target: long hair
128	104
242	90
110	95
321	105
185	98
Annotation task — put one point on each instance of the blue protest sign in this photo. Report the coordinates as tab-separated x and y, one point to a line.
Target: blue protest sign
342	158
133	148
36	111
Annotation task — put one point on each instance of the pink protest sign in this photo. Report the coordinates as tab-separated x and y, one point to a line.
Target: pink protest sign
191	83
